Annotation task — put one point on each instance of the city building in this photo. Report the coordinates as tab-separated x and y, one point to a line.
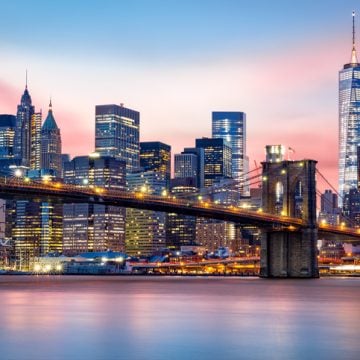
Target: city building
231	126
145	229
23	136
349	123
35	150
94	227
217	159
7	144
351	208
329	210
156	156
36	230
7	134
51	158
181	229
190	163
117	134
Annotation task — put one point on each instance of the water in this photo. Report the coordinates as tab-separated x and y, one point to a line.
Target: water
173	318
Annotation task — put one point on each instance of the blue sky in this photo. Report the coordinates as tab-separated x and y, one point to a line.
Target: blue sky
176	61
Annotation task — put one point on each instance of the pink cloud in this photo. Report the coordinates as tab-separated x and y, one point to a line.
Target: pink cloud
9	96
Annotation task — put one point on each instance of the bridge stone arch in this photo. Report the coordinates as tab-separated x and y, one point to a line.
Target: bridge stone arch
287	253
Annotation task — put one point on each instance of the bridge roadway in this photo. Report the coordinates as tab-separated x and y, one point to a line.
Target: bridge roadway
13	188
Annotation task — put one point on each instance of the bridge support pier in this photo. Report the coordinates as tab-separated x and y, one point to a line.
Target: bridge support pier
289	254
289	190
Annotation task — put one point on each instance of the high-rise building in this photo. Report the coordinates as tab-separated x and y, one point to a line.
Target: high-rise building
145	229
217	159
190	163
231	126
94	227
51	145
181	229
156	156
7	134
329	211
329	202
349	122
35	150
23	136
117	134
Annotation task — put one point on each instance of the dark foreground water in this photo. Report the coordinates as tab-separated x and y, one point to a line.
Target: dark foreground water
178	318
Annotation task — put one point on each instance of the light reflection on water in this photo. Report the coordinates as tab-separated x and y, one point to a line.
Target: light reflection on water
178	318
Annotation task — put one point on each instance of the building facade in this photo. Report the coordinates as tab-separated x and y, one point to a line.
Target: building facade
231	126
117	134
217	159
145	229
349	123
25	110
51	145
156	156
7	136
94	227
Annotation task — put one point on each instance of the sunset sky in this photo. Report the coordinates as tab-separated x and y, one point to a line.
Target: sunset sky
177	61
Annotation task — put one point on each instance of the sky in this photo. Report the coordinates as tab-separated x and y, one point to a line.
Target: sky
177	61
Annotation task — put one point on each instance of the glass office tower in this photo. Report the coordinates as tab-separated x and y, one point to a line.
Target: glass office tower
156	156
117	134
349	123
231	126
217	159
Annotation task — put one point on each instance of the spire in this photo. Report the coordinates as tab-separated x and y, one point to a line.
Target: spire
26	79
354	59
49	123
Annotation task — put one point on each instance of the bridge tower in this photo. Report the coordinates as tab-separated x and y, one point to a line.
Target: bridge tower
289	189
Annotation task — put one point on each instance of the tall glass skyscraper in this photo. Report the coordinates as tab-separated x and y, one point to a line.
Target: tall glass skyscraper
349	123
117	134
156	156
217	159
231	126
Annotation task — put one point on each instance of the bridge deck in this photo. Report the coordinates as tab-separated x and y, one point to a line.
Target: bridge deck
65	193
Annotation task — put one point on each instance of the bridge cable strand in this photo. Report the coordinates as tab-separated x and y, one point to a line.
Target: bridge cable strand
336	192
348	219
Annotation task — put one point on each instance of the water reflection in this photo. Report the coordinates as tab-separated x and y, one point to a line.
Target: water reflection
176	318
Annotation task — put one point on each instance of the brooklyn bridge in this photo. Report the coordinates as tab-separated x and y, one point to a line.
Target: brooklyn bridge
287	218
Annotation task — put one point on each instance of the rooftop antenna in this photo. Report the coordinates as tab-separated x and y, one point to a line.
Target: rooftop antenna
354	59
26	79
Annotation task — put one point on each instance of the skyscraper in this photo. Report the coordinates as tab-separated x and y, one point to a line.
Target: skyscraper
217	159
145	229
156	156
231	126
35	146
94	227
25	110
117	133
349	123
7	134
51	145
190	163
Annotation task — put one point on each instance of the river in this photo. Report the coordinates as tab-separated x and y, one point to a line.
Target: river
124	317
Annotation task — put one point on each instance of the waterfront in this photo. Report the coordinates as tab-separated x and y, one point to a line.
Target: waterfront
84	317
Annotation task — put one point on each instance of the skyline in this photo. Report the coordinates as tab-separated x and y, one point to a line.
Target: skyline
256	51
